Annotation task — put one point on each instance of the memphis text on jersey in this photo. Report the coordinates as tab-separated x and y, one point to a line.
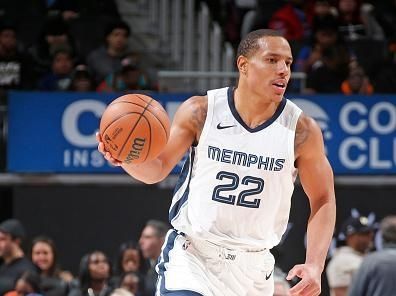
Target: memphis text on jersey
245	159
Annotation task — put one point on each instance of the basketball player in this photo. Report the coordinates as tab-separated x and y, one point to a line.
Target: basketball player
232	202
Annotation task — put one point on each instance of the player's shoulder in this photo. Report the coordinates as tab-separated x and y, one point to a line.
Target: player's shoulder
306	123
192	113
194	105
197	101
307	132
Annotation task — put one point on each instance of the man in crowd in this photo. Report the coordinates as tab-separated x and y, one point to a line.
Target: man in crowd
376	275
151	241
14	261
358	235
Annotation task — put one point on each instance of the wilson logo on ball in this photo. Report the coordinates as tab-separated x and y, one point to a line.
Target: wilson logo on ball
137	147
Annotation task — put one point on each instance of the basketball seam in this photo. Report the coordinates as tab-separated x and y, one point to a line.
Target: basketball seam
130	133
149	147
120	116
127	102
166	133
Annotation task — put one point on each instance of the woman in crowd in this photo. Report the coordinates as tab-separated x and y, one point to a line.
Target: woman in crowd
94	276
54	281
129	268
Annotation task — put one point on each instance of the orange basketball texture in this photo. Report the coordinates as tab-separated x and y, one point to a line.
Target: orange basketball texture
134	128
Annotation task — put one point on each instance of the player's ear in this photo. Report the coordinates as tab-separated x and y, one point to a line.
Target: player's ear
242	62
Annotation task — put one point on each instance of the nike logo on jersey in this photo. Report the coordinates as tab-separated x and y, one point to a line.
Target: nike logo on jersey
267	276
219	126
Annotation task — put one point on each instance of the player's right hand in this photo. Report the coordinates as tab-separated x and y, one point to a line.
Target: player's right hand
106	154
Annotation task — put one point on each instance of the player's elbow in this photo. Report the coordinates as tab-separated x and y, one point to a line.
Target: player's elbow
152	179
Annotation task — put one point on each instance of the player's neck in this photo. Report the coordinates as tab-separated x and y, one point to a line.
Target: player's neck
254	110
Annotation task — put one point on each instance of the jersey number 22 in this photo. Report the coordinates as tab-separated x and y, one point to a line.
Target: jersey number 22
219	190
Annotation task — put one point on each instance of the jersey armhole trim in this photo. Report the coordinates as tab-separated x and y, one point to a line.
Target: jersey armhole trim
293	126
208	119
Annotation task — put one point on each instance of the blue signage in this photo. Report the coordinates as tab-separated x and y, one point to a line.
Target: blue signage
55	132
359	131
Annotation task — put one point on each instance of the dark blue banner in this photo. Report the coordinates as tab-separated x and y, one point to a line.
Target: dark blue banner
55	132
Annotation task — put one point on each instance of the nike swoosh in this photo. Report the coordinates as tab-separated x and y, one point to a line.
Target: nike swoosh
268	276
219	126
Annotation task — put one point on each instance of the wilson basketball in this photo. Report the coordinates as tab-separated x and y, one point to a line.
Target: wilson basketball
134	128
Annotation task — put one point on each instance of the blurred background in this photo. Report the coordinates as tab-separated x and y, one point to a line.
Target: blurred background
62	62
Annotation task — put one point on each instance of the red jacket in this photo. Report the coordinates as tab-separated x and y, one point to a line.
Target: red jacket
289	24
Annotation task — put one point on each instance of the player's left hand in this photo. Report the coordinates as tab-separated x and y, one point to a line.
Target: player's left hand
310	283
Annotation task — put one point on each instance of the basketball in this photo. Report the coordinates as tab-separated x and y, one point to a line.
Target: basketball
134	128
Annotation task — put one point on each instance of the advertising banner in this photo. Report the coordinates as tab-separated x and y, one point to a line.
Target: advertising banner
55	132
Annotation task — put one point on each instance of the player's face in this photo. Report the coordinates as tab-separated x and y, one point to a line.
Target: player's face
268	69
42	256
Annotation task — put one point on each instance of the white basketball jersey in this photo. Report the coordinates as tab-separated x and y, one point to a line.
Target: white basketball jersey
236	185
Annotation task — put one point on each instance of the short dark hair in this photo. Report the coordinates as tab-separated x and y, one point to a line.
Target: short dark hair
249	43
119	24
388	229
161	228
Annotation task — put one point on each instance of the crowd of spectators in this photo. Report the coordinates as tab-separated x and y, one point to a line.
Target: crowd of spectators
363	265
357	267
60	50
38	271
343	46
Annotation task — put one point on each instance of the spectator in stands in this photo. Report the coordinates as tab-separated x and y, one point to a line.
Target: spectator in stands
54	37
376	274
357	82
130	281
107	58
15	66
28	284
94	276
14	261
129	77
356	21
129	262
54	281
81	79
151	241
328	76
293	21
129	258
59	79
325	35
358	234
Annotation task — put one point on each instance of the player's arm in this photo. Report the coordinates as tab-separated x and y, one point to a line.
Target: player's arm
317	179
185	130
